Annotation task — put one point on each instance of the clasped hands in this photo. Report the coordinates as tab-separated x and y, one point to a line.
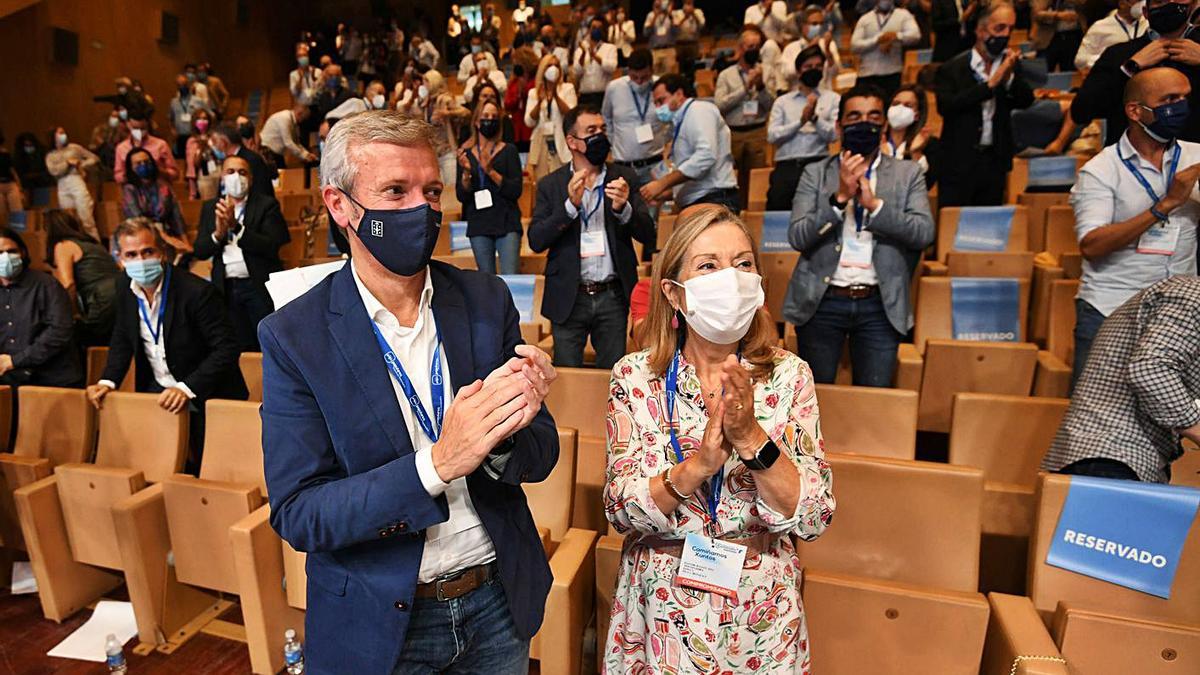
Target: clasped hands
732	425
854	184
486	412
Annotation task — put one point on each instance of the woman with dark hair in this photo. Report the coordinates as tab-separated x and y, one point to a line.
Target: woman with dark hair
490	93
202	170
906	135
30	162
488	186
144	195
87	272
36	345
10	184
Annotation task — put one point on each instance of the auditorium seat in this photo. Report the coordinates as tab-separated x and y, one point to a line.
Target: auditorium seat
868	420
664	228
1037	205
1017	641
55	426
6	413
947	229
591	467
558	646
1060	327
250	364
760	180
1098	642
97	357
265	565
579	400
293	204
81	524
291	182
291	253
891	587
190	210
777	271
108	217
1004	264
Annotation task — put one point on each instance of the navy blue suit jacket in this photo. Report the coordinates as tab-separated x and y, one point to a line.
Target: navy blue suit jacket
341	474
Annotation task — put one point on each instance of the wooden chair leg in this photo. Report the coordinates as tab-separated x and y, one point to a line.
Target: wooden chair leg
64	586
258	558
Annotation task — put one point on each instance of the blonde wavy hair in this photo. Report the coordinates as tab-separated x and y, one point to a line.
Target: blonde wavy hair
758	345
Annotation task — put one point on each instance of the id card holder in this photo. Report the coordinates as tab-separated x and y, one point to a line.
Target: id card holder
857	251
212	167
591	243
644	133
1160	239
547	128
750	108
231	255
483	200
186	117
711	565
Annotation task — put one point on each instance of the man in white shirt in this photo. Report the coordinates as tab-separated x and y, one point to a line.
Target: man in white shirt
1124	24
743	98
280	136
521	15
466	67
423	51
659	30
302	82
594	63
374	98
483	72
1136	204
688	22
401	417
770	16
879	39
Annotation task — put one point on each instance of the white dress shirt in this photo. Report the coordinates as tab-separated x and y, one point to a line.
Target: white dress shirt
231	253
623	35
280	133
1105	33
872	60
494	76
596	268
626	108
688	26
594	74
156	350
898	151
302	82
466	67
701	151
795	138
847	273
772	23
461	541
1107	192
983	72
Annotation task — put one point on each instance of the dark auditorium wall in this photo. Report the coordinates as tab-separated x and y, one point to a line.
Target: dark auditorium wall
120	37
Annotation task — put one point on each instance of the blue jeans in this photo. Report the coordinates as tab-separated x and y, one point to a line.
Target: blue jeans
1087	324
486	247
873	341
470	635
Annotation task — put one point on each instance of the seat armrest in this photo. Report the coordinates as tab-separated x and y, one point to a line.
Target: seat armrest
258	559
909	368
1052	378
934	268
1017	640
569	605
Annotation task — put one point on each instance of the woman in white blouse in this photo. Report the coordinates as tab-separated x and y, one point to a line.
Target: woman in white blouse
550	99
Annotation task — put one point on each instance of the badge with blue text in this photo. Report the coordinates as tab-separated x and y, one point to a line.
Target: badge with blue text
711	565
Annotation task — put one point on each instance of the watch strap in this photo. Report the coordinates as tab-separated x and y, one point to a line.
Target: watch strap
765	457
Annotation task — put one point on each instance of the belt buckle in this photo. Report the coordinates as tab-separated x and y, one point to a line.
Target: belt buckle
441	597
439	585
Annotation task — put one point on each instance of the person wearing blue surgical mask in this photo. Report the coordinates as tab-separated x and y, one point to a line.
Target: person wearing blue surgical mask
144	195
36	324
173	326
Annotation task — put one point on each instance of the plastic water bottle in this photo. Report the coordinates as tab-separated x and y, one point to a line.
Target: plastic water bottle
293	653
114	655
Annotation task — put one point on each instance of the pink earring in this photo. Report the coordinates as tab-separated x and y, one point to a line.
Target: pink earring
675	321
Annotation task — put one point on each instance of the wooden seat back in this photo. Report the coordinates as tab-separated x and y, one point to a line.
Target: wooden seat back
1010	264
1006	436
551	500
579	399
935	317
954	367
1101	642
591	465
55	424
135	433
947	229
868	420
250	364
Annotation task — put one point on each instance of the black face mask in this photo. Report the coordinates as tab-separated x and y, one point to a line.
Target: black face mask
995	45
246	131
598	147
750	56
1167	18
811	78
489	128
861	138
402	240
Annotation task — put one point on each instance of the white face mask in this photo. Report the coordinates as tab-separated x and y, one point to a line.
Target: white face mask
377	101
901	117
1138	10
423	92
722	305
552	74
60	139
137	134
236	185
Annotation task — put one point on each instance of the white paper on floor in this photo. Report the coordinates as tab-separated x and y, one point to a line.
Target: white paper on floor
87	642
22	579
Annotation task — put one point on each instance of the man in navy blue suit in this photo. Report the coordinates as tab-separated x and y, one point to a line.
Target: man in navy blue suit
422	554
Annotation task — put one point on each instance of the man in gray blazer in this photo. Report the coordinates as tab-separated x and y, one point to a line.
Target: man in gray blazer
861	221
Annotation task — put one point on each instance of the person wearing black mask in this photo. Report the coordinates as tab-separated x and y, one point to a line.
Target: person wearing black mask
227	141
802	125
488	187
745	102
586	217
860	221
1167	43
29	161
976	94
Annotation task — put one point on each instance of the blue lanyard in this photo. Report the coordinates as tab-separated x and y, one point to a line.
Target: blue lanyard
642	108
860	213
714	492
882	19
679	127
436	385
483	180
162	308
587	217
1142	179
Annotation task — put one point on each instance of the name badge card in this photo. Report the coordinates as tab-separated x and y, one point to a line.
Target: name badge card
750	108
231	255
1160	239
857	250
591	244
212	167
644	133
548	128
711	565
186	117
483	200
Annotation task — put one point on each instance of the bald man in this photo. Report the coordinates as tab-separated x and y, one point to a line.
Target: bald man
1136	204
242	232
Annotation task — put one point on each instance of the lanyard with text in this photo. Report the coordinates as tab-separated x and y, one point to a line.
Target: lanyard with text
437	390
162	308
859	212
714	492
1128	161
642	106
679	126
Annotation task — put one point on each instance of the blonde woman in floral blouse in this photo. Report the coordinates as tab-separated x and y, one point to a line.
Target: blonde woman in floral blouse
698	593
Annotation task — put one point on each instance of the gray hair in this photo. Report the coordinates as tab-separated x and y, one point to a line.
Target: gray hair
338	168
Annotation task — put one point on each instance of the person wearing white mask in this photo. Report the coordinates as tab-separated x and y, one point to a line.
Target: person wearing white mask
466	66
813	30
140	137
714	444
1127	22
485	71
622	31
374	98
880	38
281	136
594	63
546	104
70	163
907	136
242	233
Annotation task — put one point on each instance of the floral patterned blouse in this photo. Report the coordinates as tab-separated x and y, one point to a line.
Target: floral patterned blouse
659	627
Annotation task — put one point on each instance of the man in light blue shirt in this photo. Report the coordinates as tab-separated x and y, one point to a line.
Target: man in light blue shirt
802	125
637	135
183	106
699	167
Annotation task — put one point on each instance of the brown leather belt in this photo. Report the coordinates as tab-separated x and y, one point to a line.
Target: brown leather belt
458	585
755	545
594	287
856	292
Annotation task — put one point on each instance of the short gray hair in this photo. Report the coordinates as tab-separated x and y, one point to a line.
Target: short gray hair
374	126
